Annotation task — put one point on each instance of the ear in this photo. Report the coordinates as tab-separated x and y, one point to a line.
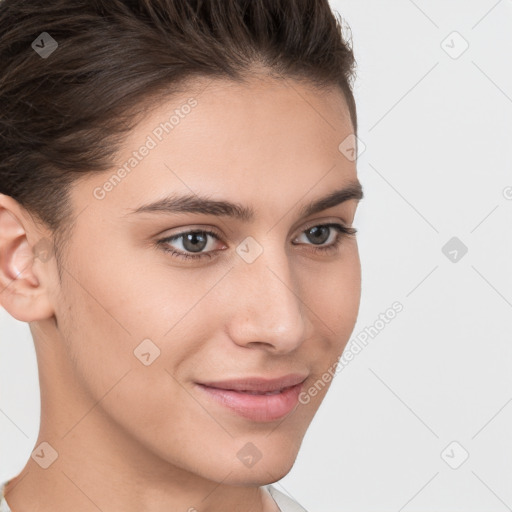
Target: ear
25	262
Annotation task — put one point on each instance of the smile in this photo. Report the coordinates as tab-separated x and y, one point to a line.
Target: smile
254	398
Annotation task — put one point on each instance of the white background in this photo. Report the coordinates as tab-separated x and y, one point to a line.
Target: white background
437	162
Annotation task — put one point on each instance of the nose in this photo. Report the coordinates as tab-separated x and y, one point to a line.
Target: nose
268	309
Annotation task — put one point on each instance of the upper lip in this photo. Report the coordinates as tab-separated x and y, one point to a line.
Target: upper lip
258	383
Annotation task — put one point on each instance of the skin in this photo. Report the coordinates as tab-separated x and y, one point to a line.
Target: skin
132	437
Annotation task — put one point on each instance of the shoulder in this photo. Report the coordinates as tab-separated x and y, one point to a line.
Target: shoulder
284	502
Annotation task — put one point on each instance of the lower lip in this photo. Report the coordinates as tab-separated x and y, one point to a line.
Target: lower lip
256	407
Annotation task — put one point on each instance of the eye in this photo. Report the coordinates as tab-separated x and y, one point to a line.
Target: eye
194	242
320	233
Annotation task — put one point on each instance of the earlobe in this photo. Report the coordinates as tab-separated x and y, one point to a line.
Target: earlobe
21	293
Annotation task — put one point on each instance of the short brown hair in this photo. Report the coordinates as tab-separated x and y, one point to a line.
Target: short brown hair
65	115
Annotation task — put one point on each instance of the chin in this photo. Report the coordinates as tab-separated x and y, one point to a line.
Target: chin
275	462
257	477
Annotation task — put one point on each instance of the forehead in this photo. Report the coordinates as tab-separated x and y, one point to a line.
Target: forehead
267	138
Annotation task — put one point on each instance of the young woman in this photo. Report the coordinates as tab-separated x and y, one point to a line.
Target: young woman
177	191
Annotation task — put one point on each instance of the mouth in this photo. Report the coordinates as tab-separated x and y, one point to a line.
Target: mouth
256	399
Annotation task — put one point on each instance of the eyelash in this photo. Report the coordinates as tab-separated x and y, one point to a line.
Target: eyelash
343	232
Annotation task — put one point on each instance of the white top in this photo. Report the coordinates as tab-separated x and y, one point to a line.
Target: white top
3	504
285	503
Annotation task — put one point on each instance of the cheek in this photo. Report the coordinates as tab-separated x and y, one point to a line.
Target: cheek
333	300
115	311
332	294
102	329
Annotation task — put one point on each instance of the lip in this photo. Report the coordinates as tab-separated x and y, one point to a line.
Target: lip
258	384
246	397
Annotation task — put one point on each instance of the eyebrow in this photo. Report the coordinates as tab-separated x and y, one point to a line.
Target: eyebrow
195	203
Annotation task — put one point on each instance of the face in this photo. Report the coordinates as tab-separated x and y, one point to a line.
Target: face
199	329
